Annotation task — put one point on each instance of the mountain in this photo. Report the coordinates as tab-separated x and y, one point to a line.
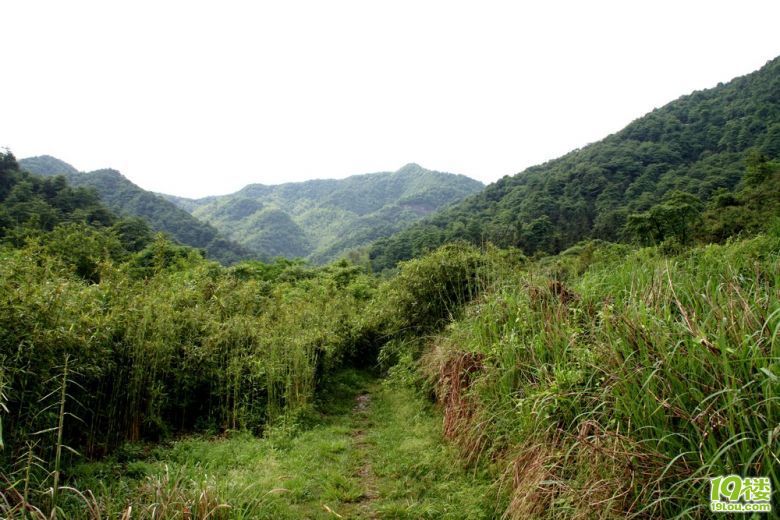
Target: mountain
46	165
323	219
695	145
125	198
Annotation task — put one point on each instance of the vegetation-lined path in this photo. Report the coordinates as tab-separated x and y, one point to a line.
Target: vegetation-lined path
609	380
373	451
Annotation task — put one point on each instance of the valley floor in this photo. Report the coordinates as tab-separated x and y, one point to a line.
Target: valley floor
373	451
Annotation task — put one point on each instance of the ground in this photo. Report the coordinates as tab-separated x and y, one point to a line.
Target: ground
374	450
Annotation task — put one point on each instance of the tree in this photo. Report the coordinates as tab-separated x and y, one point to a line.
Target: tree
133	232
83	248
757	168
8	166
678	214
673	218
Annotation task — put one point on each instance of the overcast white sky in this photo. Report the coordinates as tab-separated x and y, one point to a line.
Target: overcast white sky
197	98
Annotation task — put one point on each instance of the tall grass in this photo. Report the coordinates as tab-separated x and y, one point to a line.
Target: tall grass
618	391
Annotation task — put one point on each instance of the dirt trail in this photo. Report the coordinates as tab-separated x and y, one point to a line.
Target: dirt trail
359	442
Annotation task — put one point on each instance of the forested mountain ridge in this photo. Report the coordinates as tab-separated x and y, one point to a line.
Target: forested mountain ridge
126	198
323	219
70	225
695	145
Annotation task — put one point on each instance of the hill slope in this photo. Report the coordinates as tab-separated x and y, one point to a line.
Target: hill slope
126	198
323	219
696	144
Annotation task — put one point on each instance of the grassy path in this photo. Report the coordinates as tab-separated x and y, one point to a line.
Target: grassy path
372	451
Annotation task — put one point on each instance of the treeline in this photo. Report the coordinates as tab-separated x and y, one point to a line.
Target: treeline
697	145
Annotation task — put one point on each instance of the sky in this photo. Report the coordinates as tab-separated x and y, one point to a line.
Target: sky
201	98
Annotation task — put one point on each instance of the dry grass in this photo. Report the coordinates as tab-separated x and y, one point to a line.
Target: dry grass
534	485
452	374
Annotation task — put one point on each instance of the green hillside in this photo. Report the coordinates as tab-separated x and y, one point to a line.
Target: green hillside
125	198
323	219
696	144
47	215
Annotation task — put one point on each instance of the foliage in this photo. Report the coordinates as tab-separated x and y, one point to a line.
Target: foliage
325	219
695	144
183	343
386	458
126	199
750	210
674	218
160	341
31	204
429	292
618	390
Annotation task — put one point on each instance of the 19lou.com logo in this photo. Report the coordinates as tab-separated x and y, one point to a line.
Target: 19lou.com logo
735	494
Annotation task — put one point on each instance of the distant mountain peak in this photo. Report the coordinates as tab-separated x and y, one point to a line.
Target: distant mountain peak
410	168
108	171
47	165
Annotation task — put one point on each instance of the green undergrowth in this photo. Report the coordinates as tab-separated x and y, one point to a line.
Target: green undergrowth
384	460
613	383
419	475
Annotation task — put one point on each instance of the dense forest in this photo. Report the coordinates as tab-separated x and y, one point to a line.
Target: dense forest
126	199
695	145
603	359
322	220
